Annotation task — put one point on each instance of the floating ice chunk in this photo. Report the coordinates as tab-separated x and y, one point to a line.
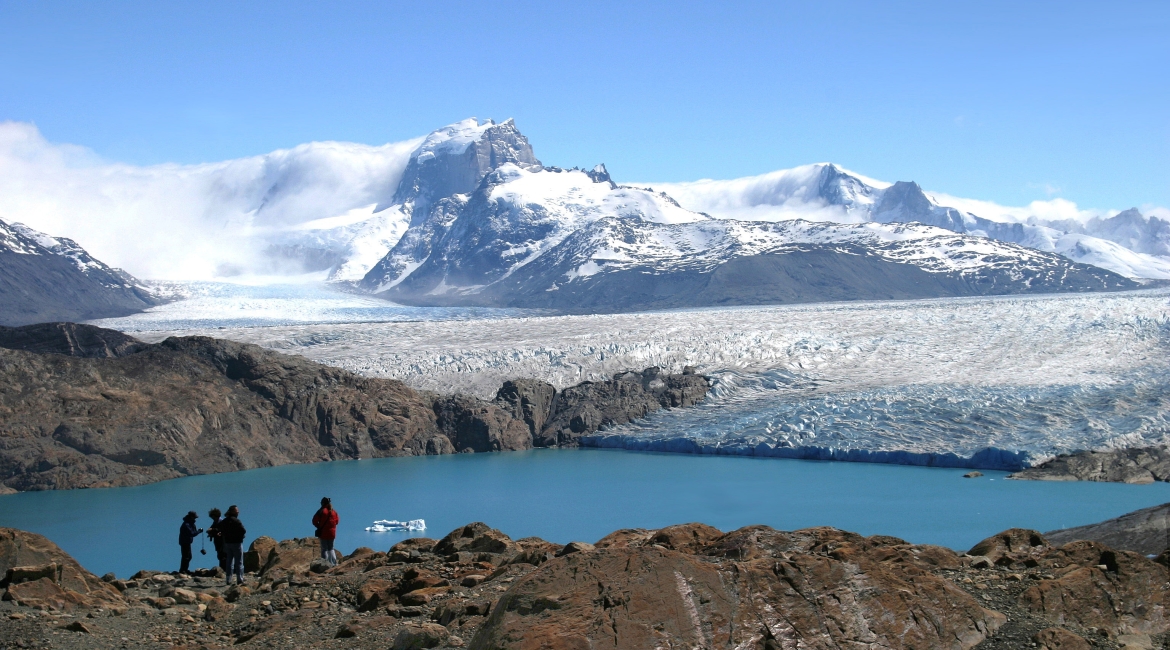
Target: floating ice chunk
387	525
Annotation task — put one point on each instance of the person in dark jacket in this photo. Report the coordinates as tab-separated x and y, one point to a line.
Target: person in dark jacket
325	521
187	534
233	543
216	537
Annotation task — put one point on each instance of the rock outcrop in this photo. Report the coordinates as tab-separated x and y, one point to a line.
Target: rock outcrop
688	585
590	406
81	406
1138	465
1145	531
36	573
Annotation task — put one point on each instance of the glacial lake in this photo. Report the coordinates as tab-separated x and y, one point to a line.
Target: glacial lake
563	495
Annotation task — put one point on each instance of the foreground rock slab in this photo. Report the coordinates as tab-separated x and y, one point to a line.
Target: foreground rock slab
689	586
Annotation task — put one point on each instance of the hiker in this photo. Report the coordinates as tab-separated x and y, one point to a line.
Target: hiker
233	544
187	534
325	521
216	537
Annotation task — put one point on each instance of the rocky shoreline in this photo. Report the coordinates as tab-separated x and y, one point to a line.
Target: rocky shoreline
1137	465
83	407
688	585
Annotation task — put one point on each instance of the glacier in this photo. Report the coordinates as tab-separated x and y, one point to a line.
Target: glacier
993	383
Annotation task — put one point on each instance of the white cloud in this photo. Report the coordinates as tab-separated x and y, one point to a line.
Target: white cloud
186	221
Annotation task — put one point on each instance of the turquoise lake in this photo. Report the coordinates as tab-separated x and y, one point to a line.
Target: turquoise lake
563	495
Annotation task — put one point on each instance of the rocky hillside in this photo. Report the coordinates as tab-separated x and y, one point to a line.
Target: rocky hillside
686	586
1136	465
85	407
45	278
1145	531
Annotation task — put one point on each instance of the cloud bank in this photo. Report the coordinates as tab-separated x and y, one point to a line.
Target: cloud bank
187	222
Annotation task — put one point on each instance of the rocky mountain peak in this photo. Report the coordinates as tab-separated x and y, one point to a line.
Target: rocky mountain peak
455	159
836	187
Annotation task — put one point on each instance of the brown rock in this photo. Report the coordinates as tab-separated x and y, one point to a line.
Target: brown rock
1017	545
236	592
1056	638
185	596
476	538
528	400
46	594
1124	597
625	537
76	626
376	594
651	597
217	609
575	547
472	580
20	549
420	579
291	556
425	635
359	627
686	538
19	574
422	596
472	424
257	554
420	544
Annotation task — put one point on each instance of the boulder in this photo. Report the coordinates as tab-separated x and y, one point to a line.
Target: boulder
19	574
686	538
575	547
476	538
419	544
1057	638
376	594
184	596
1017	545
422	596
27	557
424	635
44	593
419	579
217	609
291	556
625	538
257	554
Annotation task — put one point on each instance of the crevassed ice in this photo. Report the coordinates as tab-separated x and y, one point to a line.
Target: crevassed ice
933	381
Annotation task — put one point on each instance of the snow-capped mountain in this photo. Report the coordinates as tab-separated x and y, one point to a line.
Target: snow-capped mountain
489	225
1129	243
45	278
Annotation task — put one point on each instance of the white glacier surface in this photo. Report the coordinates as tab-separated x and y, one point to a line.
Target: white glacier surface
981	382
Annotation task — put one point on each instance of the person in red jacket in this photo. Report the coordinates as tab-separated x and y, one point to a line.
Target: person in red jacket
325	521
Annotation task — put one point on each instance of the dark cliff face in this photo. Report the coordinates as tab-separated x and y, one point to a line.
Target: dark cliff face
59	281
81	406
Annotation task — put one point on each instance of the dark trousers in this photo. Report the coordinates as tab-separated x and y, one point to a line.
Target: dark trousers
185	565
235	553
221	556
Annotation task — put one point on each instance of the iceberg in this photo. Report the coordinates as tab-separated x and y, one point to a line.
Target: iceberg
393	525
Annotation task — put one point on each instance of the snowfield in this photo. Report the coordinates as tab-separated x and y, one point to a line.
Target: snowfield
931	382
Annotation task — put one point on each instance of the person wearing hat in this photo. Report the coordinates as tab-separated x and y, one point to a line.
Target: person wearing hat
187	534
325	521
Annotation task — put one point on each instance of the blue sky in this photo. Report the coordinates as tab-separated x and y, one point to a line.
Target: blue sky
1008	102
